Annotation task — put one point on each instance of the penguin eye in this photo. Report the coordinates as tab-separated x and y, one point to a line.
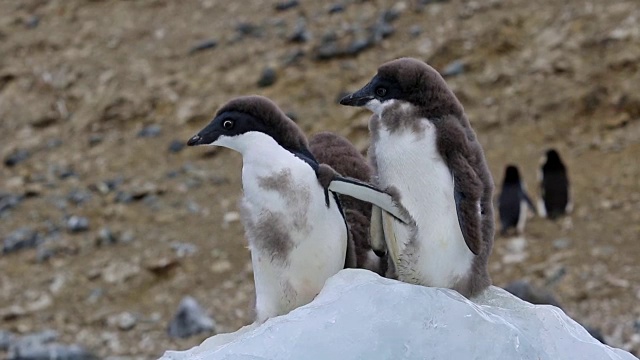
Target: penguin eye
227	124
381	92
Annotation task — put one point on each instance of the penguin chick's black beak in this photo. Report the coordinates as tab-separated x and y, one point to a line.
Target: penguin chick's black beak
195	140
358	98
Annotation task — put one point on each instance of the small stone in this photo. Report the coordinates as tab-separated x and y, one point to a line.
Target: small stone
76	224
286	5
55	351
95	295
204	45
454	68
78	197
300	33
184	249
231	216
267	78
359	45
127	236
415	31
32	22
221	266
561	244
336	8
106	237
95	139
176	146
162	266
123	197
293	57
190	320
22	238
150	131
119	272
245	28
9	201
16	157
126	321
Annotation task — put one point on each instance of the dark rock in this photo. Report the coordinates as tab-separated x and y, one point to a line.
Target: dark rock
22	238
95	295
40	337
76	224
336	8
54	143
95	139
248	29
454	68
204	45
176	146
107	186
381	30
16	157
328	50
190	320
267	78
6	339
106	237
9	201
123	197
527	292
149	131
78	197
300	33
390	15
64	172
359	45
286	5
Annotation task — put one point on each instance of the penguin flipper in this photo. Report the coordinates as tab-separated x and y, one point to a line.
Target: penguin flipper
376	232
529	202
469	218
365	192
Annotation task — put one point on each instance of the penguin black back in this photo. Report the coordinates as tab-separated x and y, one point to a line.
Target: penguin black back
555	185
511	199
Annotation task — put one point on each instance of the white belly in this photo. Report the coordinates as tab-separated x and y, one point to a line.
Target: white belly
413	165
317	235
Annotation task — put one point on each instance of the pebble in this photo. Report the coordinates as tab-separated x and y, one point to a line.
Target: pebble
9	201
204	45
76	224
176	146
150	131
78	196
95	295
286	5
300	33
190	320
415	31
454	68
162	266
245	28
127	236
119	272
106	237
22	238
53	351
336	8
16	157
267	78
126	321
561	244
32	22
95	139
184	249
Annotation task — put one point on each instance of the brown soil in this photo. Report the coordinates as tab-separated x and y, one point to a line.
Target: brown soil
537	74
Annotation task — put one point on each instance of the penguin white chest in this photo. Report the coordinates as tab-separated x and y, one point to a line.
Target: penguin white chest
435	253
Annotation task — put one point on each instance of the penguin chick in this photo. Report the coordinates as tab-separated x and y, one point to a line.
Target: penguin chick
513	202
297	236
337	152
423	146
554	187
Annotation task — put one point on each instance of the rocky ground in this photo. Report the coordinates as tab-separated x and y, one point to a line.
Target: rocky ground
107	223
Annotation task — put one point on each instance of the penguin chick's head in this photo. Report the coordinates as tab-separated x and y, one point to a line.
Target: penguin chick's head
511	175
250	114
408	80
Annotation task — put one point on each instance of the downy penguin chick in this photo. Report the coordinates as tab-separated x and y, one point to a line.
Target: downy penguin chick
554	187
297	236
423	146
513	202
337	152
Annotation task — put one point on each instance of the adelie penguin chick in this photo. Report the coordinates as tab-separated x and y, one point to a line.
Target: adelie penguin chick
513	202
424	147
295	226
337	152
554	187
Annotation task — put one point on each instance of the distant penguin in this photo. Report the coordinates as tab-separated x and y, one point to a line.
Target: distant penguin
337	152
554	187
425	150
513	201
293	221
